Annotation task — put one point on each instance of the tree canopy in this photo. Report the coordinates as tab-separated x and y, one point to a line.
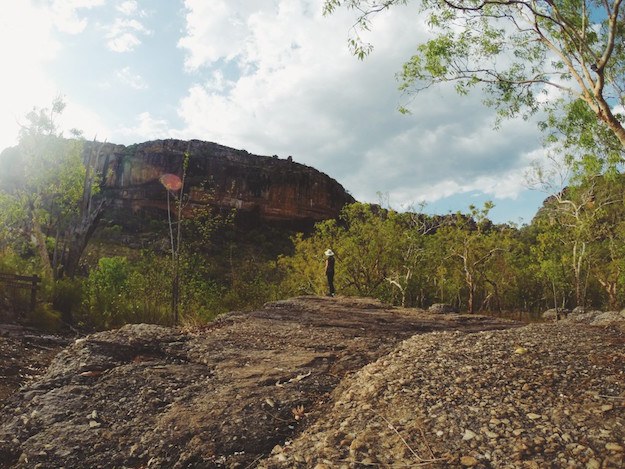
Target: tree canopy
47	191
526	54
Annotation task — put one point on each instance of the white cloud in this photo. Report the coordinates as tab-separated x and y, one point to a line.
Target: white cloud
123	35
133	80
146	128
215	30
128	7
302	93
66	14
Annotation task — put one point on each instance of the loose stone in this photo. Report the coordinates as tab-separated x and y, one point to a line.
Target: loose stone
614	447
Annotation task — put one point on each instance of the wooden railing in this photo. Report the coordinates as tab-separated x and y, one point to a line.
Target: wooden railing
22	281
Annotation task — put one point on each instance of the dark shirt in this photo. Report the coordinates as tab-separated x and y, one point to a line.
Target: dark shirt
330	265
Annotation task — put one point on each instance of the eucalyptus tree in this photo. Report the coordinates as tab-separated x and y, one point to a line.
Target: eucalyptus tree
525	54
607	262
48	191
472	244
39	176
367	249
407	273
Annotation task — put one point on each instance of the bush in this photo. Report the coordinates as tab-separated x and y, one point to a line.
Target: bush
105	294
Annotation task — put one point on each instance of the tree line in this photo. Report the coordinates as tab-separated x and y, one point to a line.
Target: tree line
572	254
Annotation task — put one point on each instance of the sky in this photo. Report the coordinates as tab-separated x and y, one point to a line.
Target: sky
273	77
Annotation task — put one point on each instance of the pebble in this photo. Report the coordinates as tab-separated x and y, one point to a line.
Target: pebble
614	447
490	434
468	461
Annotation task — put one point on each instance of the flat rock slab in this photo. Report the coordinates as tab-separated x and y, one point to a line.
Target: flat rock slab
220	396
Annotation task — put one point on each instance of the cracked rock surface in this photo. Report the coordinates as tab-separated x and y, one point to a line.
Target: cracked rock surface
324	383
220	396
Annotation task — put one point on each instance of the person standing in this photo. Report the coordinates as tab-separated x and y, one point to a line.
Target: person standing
330	271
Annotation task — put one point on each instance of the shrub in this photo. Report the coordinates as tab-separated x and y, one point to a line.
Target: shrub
105	302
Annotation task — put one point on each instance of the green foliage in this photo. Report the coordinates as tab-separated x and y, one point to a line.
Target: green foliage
571	255
42	183
67	298
13	263
44	317
304	271
587	145
522	54
107	294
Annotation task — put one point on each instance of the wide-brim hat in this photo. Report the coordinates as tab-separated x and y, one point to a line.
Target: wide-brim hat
329	252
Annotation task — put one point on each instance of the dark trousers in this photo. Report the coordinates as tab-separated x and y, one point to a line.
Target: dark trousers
330	276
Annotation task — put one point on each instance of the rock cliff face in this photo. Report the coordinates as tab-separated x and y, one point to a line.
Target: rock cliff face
267	188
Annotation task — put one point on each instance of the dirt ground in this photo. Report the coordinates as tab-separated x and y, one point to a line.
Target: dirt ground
320	383
221	396
24	355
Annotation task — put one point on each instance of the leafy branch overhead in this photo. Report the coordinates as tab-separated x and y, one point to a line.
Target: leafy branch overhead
525	54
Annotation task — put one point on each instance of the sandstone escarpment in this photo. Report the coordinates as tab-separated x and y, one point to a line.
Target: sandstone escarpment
267	188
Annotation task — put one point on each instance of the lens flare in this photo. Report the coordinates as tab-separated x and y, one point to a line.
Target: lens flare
171	182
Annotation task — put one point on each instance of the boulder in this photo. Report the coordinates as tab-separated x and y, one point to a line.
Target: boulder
442	308
608	318
586	317
555	314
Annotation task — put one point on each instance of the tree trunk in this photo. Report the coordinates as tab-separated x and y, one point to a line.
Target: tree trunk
610	289
79	237
604	113
42	249
88	217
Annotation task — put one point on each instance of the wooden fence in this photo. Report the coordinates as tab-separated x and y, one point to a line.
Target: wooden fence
22	281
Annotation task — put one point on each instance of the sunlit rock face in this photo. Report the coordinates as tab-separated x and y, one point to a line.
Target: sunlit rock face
266	188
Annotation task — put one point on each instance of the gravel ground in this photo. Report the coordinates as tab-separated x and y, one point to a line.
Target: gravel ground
223	395
24	355
541	396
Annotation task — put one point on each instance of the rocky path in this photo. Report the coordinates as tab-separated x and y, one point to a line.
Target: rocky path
541	396
328	383
24	355
222	396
